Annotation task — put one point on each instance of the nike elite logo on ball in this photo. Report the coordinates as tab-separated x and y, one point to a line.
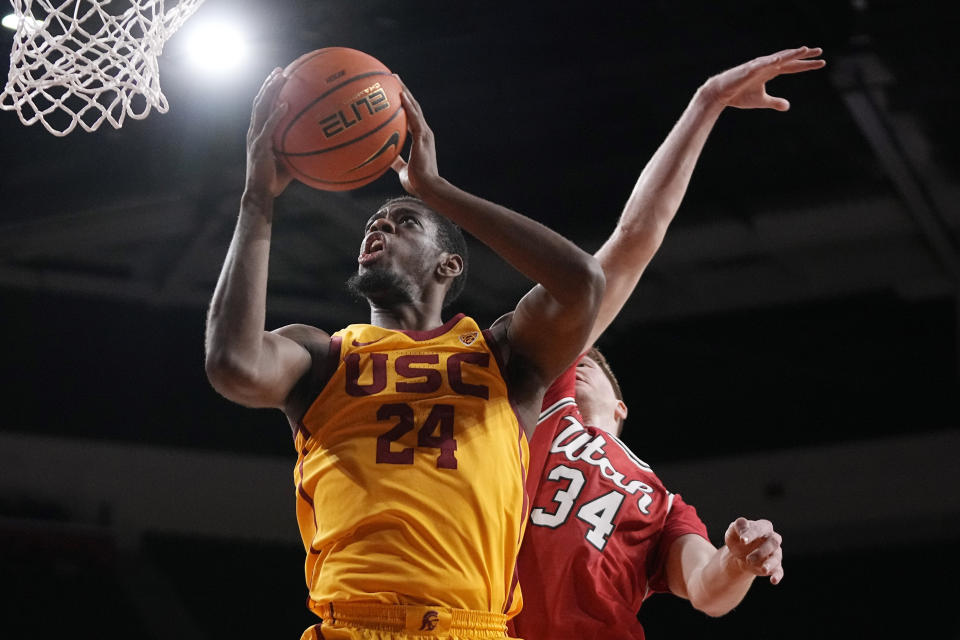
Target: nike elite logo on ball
392	142
365	103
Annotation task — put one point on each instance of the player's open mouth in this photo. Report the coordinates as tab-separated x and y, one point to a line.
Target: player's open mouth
373	246
582	383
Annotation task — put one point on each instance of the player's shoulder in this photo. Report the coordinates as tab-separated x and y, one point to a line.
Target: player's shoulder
622	450
572	438
318	344
497	337
304	334
314	341
501	325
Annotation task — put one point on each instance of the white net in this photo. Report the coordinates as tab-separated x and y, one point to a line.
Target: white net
86	62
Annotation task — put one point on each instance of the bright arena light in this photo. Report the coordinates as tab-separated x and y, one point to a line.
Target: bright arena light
10	21
216	48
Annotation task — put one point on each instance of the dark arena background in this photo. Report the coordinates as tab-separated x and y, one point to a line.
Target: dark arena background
791	353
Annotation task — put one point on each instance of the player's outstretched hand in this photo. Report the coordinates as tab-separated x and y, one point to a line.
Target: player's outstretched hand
419	173
264	171
756	547
744	86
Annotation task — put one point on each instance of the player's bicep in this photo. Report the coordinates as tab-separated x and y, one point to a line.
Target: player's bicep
285	356
547	334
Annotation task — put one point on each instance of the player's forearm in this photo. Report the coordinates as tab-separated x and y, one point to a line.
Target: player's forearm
652	205
237	314
719	585
659	190
568	273
662	184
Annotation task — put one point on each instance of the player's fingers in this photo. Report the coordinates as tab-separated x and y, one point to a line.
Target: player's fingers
263	103
274	119
751	530
415	119
772	102
263	85
257	102
398	164
811	52
793	54
740	528
269	83
273	91
777	63
764	63
772	564
415	122
764	547
765	68
410	102
777	575
765	560
799	66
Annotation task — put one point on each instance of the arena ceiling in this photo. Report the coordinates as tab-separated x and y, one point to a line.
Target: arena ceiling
807	290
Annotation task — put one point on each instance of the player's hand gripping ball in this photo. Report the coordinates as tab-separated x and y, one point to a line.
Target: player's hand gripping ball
344	124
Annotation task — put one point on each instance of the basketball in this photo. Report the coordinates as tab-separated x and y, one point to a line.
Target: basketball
344	124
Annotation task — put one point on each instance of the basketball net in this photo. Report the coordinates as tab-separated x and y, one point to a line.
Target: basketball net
76	62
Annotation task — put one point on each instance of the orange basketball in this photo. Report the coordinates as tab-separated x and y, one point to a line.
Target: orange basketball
344	124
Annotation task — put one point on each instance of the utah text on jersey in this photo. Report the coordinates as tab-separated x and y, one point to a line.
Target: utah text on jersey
576	443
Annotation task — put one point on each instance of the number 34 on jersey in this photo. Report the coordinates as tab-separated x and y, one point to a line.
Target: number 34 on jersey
569	477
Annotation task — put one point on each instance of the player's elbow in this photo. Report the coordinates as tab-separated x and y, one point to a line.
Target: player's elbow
231	376
713	609
712	603
590	284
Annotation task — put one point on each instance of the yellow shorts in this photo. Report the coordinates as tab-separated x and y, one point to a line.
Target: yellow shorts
373	621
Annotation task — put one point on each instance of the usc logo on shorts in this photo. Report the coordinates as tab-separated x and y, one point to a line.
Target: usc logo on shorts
430	621
427	621
469	338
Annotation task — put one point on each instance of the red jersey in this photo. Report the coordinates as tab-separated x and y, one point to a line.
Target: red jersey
599	530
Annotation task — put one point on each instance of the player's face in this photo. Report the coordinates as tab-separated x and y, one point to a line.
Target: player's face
596	399
399	239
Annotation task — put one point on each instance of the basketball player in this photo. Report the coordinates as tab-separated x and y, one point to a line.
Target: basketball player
604	532
412	455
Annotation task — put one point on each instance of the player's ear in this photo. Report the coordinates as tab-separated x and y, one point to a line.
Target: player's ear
450	265
620	411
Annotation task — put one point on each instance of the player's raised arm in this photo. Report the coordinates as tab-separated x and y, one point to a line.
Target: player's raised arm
244	362
661	186
553	320
716	580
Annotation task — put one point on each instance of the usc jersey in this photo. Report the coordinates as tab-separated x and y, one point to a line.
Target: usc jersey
600	526
411	471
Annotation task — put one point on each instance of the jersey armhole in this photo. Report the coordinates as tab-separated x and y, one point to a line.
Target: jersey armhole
317	379
498	348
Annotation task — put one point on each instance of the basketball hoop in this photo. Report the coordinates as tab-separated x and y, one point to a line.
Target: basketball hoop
76	62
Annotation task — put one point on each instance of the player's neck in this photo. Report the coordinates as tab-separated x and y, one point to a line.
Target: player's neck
406	317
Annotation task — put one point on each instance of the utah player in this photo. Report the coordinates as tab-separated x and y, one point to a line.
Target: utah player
412	460
604	532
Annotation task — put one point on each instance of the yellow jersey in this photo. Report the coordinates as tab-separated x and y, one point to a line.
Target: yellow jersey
411	470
